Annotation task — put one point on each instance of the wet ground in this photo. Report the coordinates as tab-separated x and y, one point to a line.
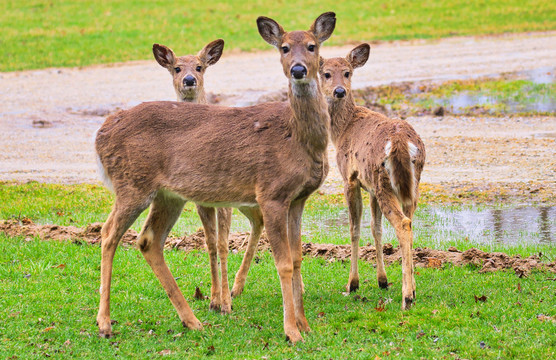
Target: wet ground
423	257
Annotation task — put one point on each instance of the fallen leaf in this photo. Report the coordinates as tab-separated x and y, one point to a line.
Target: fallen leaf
480	298
48	328
543	318
420	335
165	352
320	314
61	266
198	294
519	287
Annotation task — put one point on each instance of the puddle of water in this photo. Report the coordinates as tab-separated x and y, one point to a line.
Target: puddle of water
461	102
543	75
525	226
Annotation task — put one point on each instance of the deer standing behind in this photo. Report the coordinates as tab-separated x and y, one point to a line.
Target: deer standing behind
381	155
264	159
188	80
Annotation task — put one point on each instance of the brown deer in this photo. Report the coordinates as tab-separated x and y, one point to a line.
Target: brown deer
381	155
188	79
264	159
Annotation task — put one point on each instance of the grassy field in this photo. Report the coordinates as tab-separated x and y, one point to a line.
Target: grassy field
38	34
49	302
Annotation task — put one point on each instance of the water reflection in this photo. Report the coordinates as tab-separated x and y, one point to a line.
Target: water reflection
524	225
529	225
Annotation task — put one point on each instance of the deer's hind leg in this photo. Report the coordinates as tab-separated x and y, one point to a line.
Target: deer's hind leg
256	219
165	211
376	220
352	193
208	218
123	214
402	224
224	216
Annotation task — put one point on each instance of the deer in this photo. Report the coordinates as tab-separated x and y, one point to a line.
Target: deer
265	160
188	79
380	155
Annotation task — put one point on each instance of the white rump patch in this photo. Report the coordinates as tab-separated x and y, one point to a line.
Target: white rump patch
388	148
413	150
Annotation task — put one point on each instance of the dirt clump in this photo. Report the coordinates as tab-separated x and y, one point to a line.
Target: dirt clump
422	257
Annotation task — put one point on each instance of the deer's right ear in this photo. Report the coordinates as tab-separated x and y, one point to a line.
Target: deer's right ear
211	52
164	56
321	62
359	55
270	30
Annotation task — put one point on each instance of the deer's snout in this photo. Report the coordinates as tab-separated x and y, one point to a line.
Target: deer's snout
189	80
339	92
298	71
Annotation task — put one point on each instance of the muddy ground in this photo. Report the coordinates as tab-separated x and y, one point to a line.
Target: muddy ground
422	257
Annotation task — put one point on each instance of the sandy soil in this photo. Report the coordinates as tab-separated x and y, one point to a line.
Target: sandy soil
48	117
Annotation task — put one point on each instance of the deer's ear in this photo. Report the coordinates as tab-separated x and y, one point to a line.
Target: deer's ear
359	55
270	30
164	56
321	62
211	52
323	26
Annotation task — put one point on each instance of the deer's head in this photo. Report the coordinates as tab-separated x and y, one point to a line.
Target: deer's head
299	50
336	73
188	71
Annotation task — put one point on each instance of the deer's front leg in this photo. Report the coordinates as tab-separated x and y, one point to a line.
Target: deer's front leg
275	216
294	235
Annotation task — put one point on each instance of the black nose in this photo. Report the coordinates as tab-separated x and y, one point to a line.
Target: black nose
189	80
339	92
299	71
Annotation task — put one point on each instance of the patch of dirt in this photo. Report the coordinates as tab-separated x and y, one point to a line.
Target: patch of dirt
422	257
49	139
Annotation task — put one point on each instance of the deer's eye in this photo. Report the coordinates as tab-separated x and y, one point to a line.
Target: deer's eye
285	49
199	68
177	69
327	75
311	48
346	74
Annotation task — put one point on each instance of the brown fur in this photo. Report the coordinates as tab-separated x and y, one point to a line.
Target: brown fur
266	158
373	154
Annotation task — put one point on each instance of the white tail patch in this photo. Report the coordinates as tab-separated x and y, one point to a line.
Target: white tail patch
388	148
100	168
413	150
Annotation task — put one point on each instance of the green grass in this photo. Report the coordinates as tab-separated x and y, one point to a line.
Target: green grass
38	34
49	302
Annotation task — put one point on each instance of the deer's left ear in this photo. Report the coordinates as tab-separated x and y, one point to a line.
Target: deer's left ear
321	62
211	52
359	55
323	26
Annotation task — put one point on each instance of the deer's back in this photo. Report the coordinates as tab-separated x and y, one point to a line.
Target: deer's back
193	149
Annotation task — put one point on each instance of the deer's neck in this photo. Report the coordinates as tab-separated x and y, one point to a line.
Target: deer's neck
341	113
310	120
196	97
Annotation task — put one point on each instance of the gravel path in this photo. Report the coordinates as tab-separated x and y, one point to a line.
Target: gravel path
48	117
